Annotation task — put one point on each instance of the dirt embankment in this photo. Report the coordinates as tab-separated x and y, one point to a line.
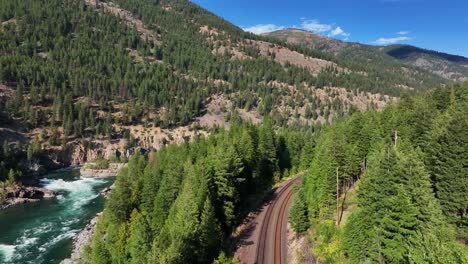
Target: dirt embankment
299	248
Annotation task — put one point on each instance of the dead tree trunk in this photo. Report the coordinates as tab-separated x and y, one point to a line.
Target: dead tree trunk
337	199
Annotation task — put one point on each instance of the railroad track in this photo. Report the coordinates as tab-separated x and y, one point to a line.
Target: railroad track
262	256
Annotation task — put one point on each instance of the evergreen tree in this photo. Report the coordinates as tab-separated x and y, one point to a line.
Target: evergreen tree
447	162
299	217
140	237
210	234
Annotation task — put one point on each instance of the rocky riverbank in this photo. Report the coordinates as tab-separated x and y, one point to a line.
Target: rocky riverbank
87	171
81	240
84	236
24	194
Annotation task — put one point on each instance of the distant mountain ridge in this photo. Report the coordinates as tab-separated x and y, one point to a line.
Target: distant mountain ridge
448	66
453	67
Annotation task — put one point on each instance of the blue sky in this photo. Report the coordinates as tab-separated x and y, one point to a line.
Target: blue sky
440	25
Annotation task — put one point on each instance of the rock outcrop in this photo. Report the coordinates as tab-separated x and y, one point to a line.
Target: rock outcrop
81	240
107	191
77	153
113	170
25	194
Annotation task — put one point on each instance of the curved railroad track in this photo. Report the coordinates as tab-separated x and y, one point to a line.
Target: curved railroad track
271	240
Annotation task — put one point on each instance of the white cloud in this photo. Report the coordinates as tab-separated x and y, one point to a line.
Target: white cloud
338	31
403	32
263	28
388	41
315	26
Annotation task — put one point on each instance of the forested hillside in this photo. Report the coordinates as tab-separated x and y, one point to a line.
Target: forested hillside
85	80
401	185
78	77
181	204
404	63
401	177
445	65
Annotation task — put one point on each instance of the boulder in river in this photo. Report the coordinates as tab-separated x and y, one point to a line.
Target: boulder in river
24	194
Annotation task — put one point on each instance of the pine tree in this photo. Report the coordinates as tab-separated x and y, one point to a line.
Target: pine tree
228	169
447	164
140	237
210	234
299	217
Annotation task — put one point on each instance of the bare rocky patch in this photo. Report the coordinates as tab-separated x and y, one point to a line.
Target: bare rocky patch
12	22
140	59
5	91
298	248
127	17
322	102
284	55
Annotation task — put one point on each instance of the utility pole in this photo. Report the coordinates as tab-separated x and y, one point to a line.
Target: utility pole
396	138
337	199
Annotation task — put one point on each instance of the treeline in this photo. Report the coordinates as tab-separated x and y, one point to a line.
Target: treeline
407	166
10	170
72	66
180	204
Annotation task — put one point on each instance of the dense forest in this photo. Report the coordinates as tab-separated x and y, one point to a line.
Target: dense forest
77	71
401	177
180	204
387	187
401	185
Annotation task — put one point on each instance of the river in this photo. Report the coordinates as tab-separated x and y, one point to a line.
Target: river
42	232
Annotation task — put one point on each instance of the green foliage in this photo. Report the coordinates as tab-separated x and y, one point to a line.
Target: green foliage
10	172
298	216
99	164
447	162
139	240
223	259
180	204
327	238
75	64
410	161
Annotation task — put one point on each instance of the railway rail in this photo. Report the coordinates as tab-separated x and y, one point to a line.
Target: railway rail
273	227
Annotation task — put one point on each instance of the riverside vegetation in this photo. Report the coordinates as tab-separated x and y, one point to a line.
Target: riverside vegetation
180	204
85	72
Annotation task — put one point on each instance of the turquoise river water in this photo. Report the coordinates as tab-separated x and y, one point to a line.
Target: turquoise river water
42	232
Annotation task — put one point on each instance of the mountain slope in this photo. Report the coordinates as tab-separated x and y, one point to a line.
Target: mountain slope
386	60
81	77
448	66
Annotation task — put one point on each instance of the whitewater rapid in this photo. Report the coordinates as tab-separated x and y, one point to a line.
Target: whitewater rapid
45	229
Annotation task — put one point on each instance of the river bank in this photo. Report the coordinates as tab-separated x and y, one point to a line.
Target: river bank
43	231
31	190
88	170
80	241
84	237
